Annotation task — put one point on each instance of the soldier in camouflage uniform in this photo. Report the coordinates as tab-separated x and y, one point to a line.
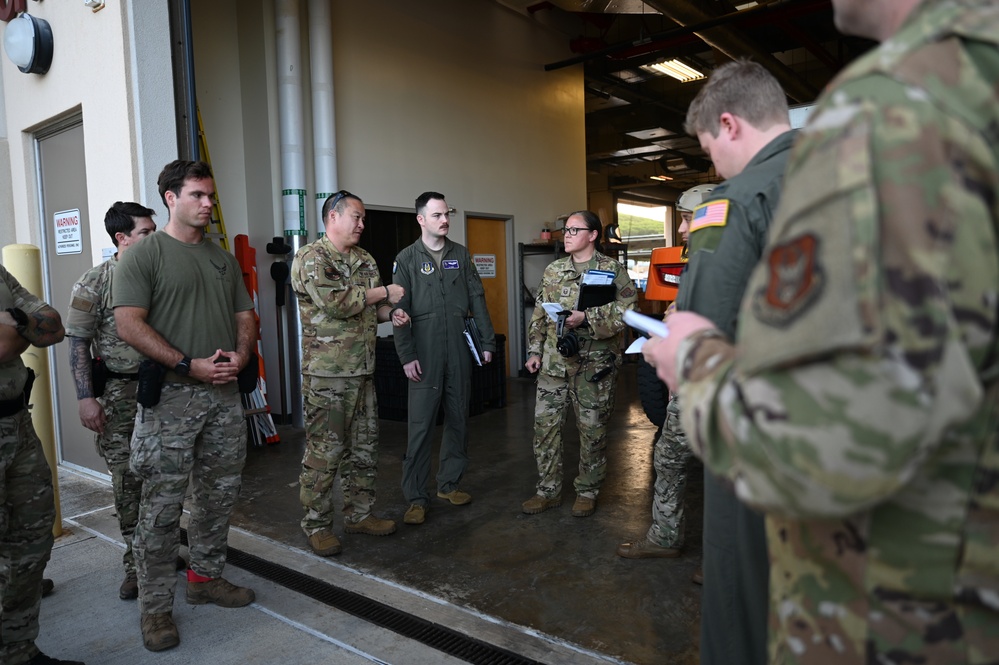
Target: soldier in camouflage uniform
176	295
584	379
670	454
28	510
341	300
860	405
90	323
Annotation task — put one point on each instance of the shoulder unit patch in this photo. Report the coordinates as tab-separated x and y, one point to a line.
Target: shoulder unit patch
795	279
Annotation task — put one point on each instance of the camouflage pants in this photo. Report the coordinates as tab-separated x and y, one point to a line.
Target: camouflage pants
26	534
670	461
592	404
341	434
114	445
196	433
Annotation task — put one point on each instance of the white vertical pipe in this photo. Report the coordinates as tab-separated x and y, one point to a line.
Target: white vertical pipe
291	116
293	191
323	111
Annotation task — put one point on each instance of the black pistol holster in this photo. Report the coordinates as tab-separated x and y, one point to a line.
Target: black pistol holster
99	376
151	375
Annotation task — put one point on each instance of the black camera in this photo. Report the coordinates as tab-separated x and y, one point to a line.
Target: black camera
568	344
567	341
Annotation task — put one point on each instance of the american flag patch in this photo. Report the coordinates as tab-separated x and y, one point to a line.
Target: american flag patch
714	213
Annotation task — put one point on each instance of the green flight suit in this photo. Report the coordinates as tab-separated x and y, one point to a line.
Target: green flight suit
438	298
723	252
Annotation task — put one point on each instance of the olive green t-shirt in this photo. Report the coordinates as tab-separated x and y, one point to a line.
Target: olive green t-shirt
191	292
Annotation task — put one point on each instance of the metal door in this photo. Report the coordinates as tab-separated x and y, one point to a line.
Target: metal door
62	180
487	243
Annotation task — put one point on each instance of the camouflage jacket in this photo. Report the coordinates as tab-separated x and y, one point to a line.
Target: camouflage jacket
338	329
859	408
13	373
600	337
91	316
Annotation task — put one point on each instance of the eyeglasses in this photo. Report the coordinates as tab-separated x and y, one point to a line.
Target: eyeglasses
573	230
339	196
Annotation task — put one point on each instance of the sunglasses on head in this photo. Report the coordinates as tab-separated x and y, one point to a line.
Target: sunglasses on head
339	196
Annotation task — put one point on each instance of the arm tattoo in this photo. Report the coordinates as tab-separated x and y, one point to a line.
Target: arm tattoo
44	327
80	360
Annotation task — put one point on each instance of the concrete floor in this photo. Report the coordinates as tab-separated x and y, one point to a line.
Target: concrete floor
552	573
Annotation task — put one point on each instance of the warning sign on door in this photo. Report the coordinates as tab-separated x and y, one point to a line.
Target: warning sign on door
485	264
68	232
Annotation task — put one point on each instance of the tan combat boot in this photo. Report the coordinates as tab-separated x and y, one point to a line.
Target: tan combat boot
325	543
583	506
417	514
371	525
129	589
539	504
220	592
159	632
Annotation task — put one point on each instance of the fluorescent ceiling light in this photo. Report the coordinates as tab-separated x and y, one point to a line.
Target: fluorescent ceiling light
650	134
662	178
678	70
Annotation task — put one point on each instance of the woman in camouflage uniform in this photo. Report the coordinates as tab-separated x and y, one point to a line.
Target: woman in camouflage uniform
581	372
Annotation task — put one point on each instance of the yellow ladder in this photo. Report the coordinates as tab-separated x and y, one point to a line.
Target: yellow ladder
216	227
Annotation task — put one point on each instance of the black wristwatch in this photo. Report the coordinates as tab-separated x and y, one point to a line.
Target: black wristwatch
184	366
20	320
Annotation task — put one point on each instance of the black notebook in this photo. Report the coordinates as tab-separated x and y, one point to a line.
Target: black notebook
595	295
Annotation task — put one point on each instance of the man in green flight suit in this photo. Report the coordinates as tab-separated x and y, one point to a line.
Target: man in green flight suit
858	406
741	120
442	288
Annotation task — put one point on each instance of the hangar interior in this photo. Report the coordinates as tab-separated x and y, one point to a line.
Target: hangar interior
519	110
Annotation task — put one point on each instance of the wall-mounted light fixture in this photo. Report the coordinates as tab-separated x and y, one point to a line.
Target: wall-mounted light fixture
28	43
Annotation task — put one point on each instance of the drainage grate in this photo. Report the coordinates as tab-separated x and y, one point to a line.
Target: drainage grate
426	632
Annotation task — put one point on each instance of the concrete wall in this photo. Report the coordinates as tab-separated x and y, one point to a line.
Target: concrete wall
92	73
451	95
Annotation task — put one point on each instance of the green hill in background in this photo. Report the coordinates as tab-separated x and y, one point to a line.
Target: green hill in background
631	225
